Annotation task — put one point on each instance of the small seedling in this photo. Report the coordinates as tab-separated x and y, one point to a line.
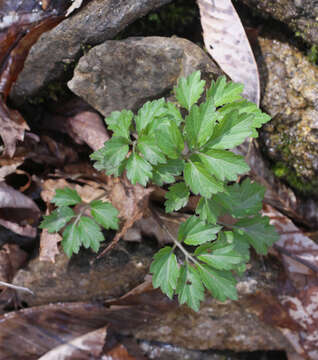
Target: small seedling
192	153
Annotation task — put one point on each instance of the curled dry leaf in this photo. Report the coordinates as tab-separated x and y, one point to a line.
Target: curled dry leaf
48	246
18	212
227	43
21	25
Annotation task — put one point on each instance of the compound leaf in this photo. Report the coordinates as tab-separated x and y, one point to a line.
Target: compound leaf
138	170
223	164
105	214
57	219
189	90
220	283
231	131
150	150
195	232
90	233
218	255
120	122
222	92
173	113
150	111
165	270
189	288
200	181
169	139
258	232
66	197
177	197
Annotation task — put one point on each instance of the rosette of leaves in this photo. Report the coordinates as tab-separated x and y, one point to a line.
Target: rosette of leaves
187	145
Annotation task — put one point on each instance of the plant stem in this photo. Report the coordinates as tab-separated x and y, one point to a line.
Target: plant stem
175	241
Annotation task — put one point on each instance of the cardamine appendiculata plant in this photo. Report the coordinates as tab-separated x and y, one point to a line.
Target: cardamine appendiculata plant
191	153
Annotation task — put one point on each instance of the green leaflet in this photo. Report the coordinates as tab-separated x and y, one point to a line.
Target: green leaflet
177	197
138	170
258	232
189	288
169	139
209	210
219	256
57	219
240	200
221	284
120	122
148	113
71	240
165	173
222	92
200	181
173	113
189	90
66	197
231	131
105	214
165	270
111	155
150	150
199	124
245	106
223	164
195	232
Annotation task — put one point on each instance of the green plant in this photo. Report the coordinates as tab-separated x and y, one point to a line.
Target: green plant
191	153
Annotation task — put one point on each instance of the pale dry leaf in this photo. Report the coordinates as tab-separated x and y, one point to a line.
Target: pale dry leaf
49	246
76	4
227	43
84	347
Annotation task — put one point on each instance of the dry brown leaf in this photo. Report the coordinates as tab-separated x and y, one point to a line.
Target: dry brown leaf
119	352
83	347
132	202
18	212
227	43
49	246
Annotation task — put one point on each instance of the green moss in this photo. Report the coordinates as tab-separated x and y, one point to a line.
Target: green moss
312	54
287	174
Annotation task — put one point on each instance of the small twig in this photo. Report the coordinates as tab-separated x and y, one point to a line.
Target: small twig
304	262
15	287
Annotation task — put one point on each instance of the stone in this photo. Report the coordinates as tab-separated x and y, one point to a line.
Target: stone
291	98
300	15
125	74
55	52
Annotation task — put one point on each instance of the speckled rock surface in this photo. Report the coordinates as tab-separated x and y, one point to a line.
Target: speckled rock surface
83	277
300	15
124	74
291	98
232	325
56	51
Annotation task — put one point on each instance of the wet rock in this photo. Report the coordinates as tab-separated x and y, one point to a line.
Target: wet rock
291	98
125	74
300	15
83	277
58	49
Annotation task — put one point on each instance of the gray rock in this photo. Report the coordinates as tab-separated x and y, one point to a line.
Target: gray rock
124	74
291	98
299	15
96	22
